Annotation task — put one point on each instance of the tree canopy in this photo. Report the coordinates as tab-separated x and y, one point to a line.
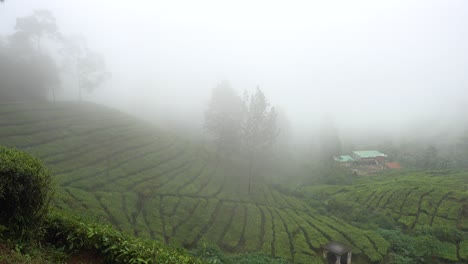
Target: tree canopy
248	125
36	49
224	117
18	60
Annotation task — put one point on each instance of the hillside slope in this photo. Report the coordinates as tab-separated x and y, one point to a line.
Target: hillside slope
113	167
436	200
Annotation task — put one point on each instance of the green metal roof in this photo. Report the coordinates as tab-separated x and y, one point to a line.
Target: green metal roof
369	154
343	158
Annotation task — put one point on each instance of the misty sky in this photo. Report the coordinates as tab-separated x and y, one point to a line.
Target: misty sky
379	64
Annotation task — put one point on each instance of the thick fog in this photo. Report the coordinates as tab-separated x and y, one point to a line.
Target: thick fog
375	66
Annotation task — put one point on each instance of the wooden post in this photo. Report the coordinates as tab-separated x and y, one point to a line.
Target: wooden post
349	258
338	259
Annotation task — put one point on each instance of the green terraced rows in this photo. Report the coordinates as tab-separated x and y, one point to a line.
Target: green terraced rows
113	167
437	199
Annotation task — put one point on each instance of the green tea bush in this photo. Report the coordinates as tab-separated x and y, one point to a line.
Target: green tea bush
445	233
464	250
71	234
210	254
256	258
25	192
422	248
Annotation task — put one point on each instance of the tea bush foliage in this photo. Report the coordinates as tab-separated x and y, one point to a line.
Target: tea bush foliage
72	234
25	192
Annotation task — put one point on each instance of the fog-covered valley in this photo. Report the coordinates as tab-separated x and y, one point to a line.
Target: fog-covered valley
234	132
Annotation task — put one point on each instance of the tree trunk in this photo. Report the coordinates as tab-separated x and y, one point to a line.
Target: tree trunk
79	89
78	80
53	94
251	162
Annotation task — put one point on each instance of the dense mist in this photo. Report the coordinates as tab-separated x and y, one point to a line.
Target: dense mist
379	69
216	131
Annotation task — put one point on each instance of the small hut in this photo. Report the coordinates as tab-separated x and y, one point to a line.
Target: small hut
337	253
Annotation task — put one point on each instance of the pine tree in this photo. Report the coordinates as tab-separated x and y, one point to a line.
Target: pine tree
224	117
259	130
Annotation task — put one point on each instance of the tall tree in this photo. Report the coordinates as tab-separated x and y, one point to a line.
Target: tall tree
259	130
223	118
26	49
430	159
87	67
37	26
32	50
283	140
41	74
21	56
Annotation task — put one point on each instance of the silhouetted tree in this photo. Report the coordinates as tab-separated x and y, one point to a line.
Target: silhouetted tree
37	26
283	140
40	71
259	130
87	66
250	123
26	73
223	118
23	56
32	51
430	159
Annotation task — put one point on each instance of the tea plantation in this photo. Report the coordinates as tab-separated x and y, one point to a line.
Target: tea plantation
420	202
114	168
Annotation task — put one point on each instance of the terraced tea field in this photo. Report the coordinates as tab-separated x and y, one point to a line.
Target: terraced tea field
414	199
113	167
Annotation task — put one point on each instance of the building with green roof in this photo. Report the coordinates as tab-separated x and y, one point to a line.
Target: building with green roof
368	155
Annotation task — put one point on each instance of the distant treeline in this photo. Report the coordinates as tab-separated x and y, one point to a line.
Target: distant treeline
37	56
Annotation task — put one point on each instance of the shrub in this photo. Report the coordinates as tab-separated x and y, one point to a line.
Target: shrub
443	233
209	254
398	259
256	258
72	234
422	248
213	255
25	192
